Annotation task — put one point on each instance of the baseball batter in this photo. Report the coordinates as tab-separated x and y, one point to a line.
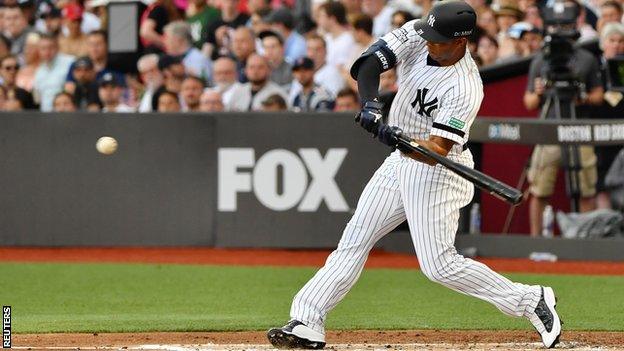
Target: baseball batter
440	92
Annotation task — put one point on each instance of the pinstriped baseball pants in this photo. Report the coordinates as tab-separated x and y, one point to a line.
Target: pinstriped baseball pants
429	197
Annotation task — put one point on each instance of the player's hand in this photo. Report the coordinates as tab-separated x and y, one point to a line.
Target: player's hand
389	135
370	116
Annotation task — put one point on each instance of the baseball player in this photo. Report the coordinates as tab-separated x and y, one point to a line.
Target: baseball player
440	92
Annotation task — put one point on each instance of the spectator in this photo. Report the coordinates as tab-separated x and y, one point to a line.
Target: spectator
97	51
51	18
610	12
353	8
64	102
399	18
219	33
13	102
487	50
546	158
310	97
179	42
8	72
381	15
199	15
109	92
243	45
75	42
281	71
258	21
274	103
5	45
332	20
388	82
530	41
211	101
283	22
532	15
16	28
507	14
153	21
254	6
347	100
168	102
26	75
173	74
85	87
249	96
326	75
362	29
191	90
152	79
225	78
51	74
486	19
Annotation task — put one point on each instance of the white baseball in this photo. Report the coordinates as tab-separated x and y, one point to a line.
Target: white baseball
106	145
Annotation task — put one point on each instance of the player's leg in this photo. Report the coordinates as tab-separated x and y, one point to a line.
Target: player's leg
379	210
433	197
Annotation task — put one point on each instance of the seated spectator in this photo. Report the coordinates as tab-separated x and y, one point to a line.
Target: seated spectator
153	21
332	20
274	103
219	32
168	102
225	78
347	100
190	92
8	72
281	71
63	102
507	14
258	21
50	18
381	15
199	15
16	28
173	75
486	19
487	50
399	18
310	97
74	42
283	22
610	12
110	90
243	45
179	42
152	79
26	75
249	96
533	16
362	30
85	87
211	101
51	74
326	75
530	41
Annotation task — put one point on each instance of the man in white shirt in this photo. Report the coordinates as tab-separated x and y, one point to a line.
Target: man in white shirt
50	76
327	76
249	96
225	78
179	42
332	19
152	78
381	14
110	91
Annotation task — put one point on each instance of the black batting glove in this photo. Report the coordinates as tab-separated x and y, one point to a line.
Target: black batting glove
389	135
370	116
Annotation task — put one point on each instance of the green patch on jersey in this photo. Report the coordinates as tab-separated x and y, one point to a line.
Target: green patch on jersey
455	123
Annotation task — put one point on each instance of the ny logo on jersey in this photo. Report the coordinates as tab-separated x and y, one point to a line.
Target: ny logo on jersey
431	20
424	108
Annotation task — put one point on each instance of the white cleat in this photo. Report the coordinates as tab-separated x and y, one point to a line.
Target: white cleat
545	318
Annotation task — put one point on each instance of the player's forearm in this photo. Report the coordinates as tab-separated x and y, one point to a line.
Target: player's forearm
368	79
431	145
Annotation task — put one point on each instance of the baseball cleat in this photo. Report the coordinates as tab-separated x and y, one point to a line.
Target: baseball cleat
296	335
545	318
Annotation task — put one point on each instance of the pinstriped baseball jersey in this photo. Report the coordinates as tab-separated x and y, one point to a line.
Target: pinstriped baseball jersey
432	100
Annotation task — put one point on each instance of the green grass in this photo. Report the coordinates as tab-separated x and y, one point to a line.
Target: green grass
141	297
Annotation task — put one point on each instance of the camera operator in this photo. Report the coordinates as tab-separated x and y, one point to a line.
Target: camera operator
561	64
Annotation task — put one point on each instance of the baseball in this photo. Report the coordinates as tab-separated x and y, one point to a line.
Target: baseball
106	145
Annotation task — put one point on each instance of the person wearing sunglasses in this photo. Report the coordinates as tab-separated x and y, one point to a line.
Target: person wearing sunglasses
9	68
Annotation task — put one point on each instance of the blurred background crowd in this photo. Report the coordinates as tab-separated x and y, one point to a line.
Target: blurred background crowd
240	55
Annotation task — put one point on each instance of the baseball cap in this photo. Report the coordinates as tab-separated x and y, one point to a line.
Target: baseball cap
108	79
518	29
83	62
303	62
283	16
446	21
72	12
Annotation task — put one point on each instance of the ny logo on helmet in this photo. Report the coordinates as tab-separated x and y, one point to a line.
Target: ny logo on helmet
431	20
424	108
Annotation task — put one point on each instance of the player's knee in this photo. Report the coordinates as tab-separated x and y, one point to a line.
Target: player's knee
435	274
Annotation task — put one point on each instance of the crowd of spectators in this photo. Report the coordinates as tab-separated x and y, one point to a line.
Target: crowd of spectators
240	55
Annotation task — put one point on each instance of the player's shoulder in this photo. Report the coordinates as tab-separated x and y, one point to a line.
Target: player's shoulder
406	33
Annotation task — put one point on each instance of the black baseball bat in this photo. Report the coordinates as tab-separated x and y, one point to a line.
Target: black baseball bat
480	179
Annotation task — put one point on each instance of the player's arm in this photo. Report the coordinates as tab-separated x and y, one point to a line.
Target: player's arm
437	144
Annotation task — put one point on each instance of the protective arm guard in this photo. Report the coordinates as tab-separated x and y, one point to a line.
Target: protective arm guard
380	50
